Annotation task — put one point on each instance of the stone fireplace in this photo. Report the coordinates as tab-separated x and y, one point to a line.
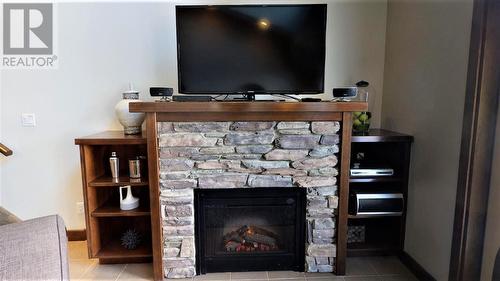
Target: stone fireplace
246	155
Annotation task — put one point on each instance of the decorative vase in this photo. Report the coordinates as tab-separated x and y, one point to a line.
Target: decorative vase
129	202
131	121
361	122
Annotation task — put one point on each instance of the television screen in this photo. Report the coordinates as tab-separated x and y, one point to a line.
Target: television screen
251	49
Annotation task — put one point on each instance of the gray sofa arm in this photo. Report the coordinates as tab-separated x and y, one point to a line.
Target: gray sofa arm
35	249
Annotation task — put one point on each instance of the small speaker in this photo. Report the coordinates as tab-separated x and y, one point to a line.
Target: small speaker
376	204
344	93
161	92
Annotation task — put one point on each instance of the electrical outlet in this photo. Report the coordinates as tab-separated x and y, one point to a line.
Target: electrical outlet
28	119
79	208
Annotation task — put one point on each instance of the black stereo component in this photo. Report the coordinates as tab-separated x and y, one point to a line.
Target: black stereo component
358	172
191	98
161	92
164	93
376	204
344	93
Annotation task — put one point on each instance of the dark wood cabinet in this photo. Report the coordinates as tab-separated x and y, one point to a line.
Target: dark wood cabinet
383	235
105	221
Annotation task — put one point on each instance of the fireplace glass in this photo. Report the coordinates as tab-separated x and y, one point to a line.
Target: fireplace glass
250	229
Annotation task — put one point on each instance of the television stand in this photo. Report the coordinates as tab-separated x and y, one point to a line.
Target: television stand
246	97
251	97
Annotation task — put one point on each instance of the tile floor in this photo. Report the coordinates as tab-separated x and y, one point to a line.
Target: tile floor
358	269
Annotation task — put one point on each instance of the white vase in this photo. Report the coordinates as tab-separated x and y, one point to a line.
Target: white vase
131	121
129	202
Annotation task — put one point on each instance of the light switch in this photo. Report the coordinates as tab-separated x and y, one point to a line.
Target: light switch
80	209
28	119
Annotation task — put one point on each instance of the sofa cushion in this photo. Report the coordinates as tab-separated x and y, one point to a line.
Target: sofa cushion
34	250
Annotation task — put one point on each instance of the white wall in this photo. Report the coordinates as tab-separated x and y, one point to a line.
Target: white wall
1	140
103	46
492	234
424	90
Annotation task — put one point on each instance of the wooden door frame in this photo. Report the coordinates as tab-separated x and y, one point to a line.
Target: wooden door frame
478	136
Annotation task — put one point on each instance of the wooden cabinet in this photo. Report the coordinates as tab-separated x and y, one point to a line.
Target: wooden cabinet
105	221
382	149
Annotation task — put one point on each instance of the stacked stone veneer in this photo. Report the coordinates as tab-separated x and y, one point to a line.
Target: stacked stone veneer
246	155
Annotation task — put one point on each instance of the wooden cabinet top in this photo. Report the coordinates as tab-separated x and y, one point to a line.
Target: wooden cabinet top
247	111
112	137
381	135
241	106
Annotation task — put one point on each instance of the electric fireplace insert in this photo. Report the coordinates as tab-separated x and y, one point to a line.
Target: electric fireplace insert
250	229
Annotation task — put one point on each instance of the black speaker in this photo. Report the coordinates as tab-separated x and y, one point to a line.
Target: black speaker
161	92
344	93
376	204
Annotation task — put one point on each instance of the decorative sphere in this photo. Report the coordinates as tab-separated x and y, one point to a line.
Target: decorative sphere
131	239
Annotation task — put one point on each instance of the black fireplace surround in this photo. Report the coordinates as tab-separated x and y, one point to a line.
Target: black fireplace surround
253	229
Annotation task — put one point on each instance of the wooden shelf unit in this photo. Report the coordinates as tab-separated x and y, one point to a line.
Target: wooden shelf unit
105	221
114	250
107	181
115	211
384	235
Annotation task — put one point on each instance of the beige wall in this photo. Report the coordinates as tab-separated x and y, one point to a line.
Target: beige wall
424	88
103	46
492	236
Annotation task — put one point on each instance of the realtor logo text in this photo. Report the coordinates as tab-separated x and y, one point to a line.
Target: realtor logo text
28	35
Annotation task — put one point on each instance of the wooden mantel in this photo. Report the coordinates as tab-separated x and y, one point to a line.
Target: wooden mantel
248	111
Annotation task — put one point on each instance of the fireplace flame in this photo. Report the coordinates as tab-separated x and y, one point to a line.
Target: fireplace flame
250	239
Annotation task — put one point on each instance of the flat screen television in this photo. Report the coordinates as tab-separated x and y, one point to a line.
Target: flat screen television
251	49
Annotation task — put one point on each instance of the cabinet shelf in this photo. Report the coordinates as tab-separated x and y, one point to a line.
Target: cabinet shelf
360	217
114	249
381	136
371	249
112	138
115	211
375	179
107	181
